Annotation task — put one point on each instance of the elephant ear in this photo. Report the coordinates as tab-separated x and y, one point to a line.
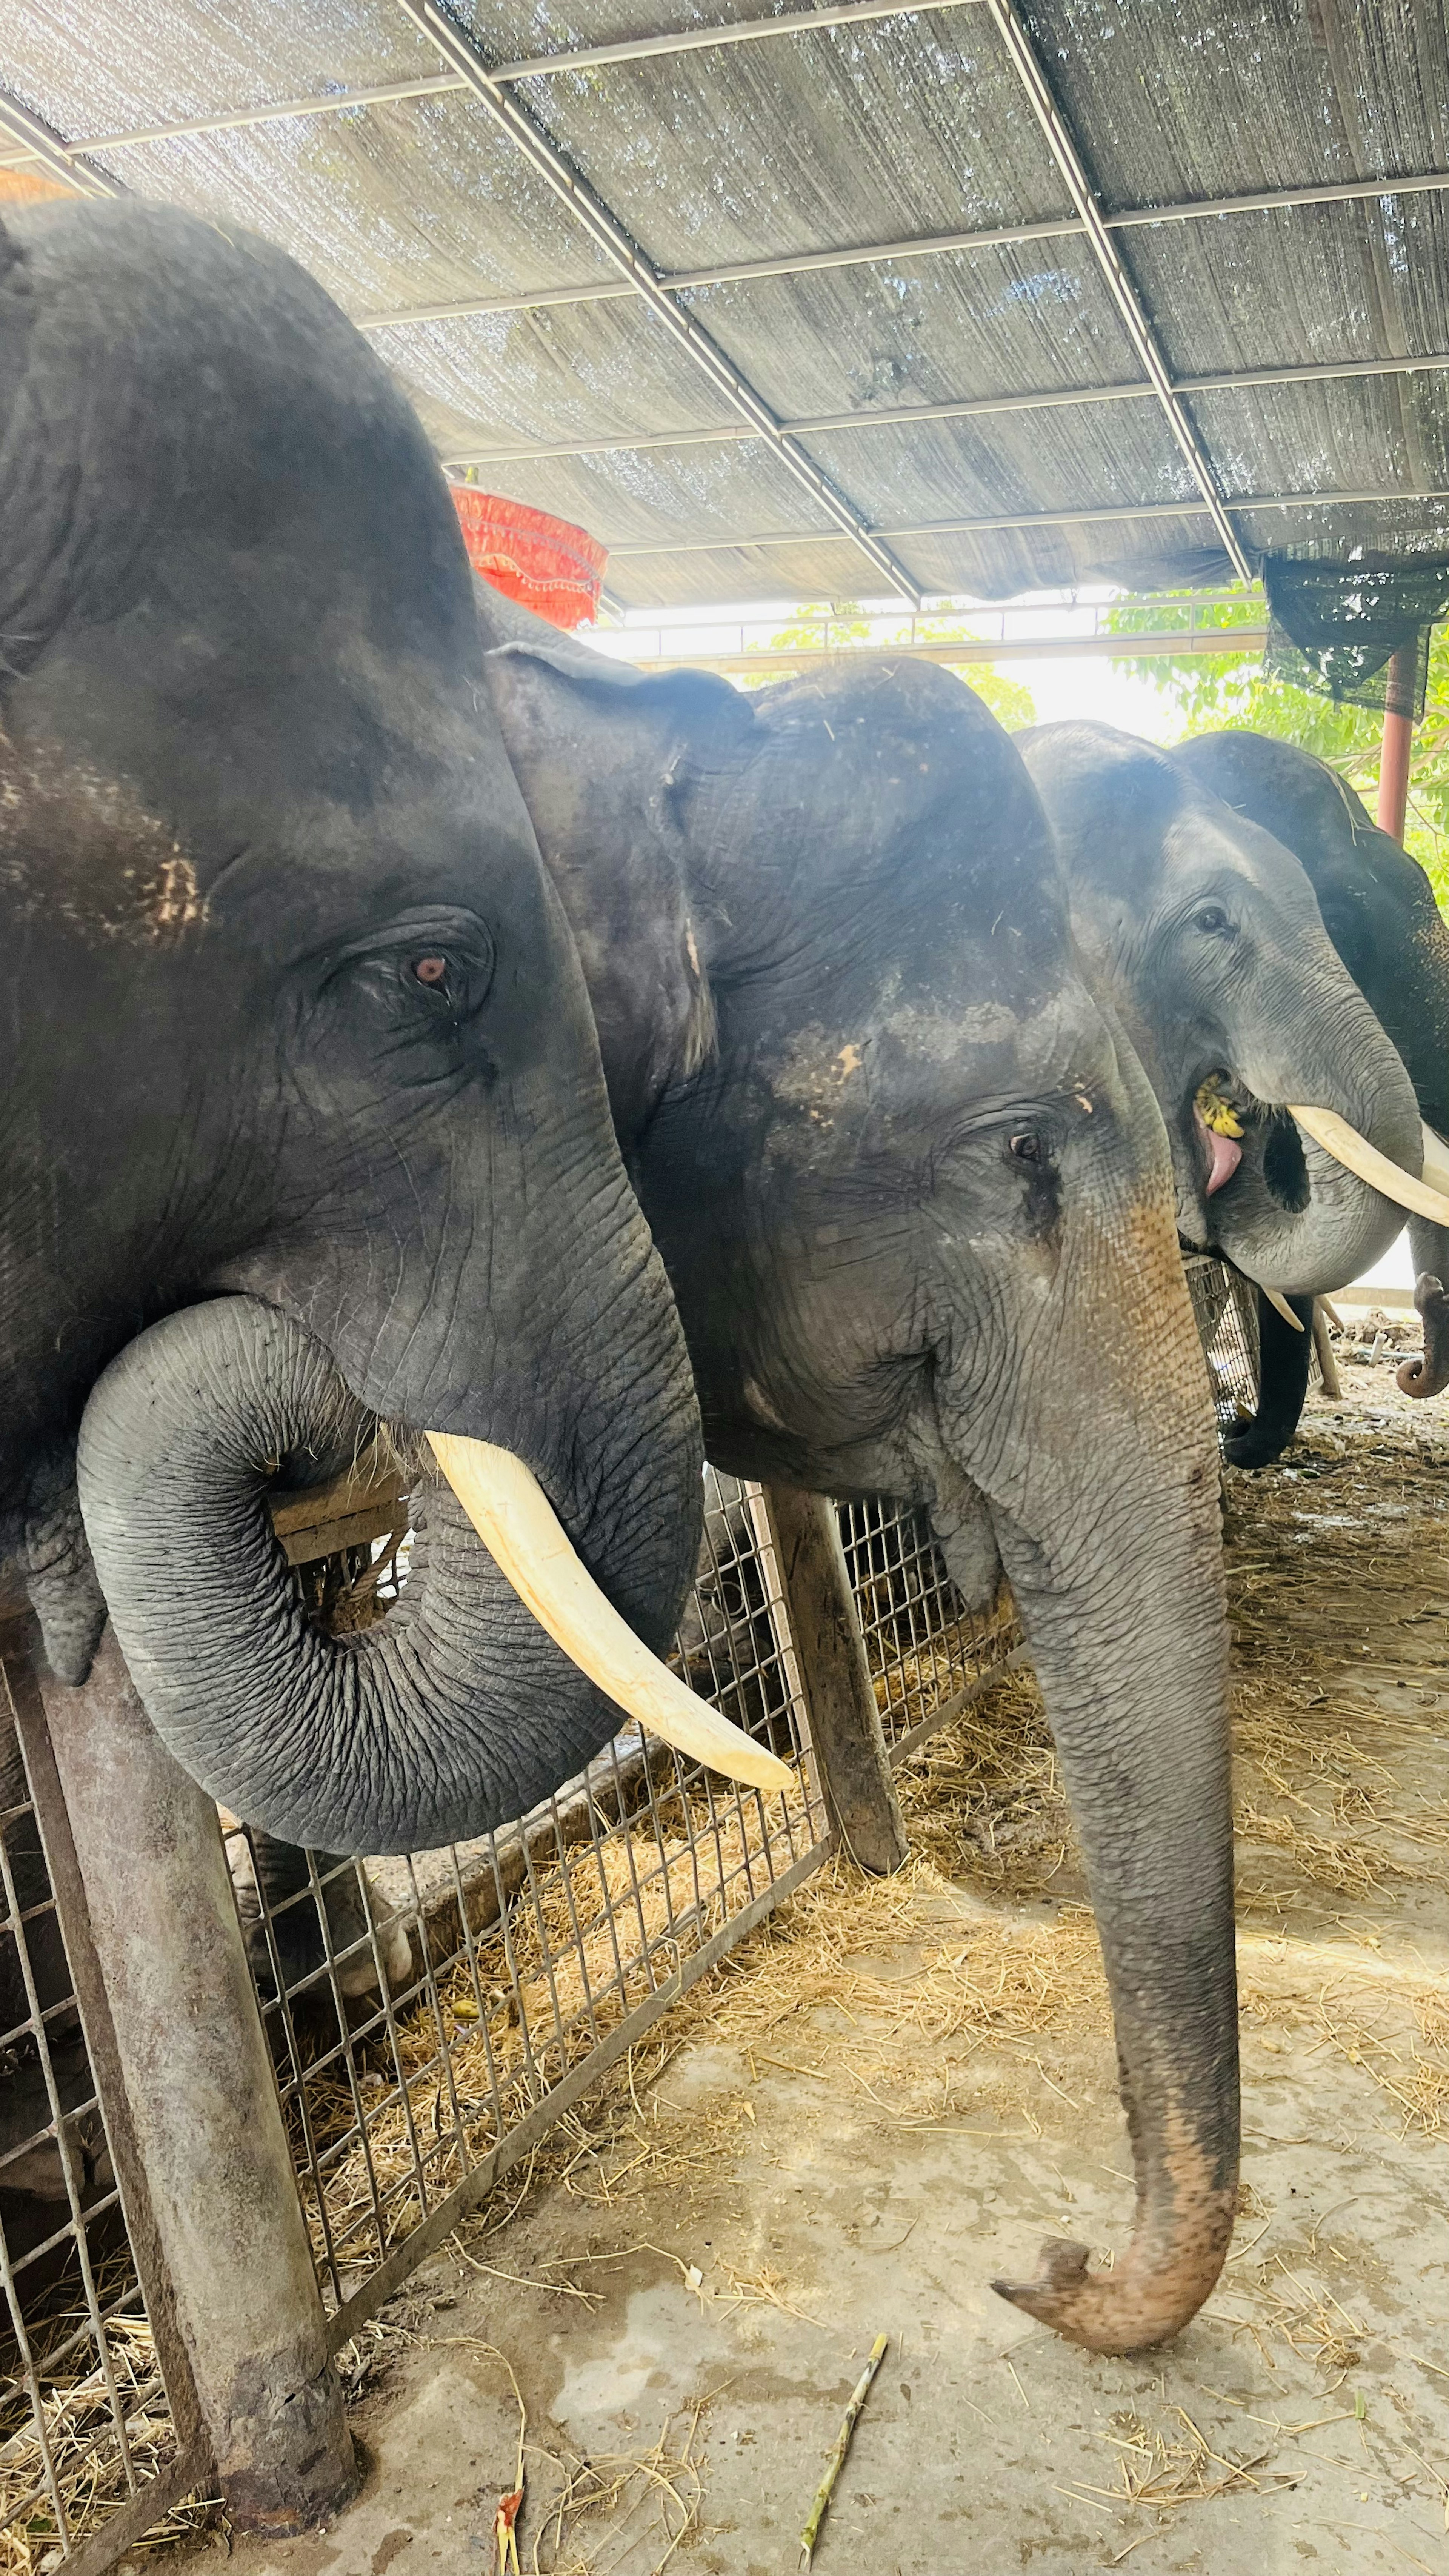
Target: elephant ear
608	759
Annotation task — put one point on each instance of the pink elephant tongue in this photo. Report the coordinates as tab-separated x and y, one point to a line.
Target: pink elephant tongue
1225	1151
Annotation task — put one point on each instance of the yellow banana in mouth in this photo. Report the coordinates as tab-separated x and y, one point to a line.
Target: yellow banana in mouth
1216	1112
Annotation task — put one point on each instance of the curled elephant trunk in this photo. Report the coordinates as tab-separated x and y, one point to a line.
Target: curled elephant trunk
1317	1193
455	1714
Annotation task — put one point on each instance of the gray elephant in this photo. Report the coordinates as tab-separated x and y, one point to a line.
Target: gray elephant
1379	911
307	1141
898	1191
1207	933
1204	933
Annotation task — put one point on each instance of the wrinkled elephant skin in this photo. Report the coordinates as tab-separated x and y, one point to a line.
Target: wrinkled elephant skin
306	1123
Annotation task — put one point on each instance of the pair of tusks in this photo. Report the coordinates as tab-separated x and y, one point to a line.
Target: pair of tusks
1426	1197
517	1524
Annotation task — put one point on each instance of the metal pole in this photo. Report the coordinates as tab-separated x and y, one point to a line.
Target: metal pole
1400	709
204	2106
845	1726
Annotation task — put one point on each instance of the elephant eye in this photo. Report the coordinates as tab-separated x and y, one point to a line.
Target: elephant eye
1210	917
1025	1148
431	970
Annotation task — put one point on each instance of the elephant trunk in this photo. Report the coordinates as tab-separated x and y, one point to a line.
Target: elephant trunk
1111	1542
1428	1373
1293	1217
457	1712
1130	1671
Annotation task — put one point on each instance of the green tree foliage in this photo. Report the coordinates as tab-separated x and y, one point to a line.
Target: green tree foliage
851	632
1214	691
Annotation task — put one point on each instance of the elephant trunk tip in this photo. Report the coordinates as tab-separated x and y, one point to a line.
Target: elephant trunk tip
1143	2302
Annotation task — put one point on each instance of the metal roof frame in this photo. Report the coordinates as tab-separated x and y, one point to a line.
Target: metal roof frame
978	407
609	235
1024	39
1025	519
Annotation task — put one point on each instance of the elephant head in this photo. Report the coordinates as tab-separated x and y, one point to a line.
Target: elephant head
306	1131
1204	933
1379	911
916	1207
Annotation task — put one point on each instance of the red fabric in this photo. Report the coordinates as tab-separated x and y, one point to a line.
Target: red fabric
544	563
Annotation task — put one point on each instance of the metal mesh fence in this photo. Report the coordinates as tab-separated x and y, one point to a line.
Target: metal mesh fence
924	1646
87	2438
1225	1306
430	2018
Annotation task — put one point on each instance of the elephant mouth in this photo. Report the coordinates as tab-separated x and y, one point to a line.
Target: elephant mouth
1238	1139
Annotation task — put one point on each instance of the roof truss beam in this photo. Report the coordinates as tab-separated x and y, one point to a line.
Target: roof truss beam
46	151
576	58
981	407
623	254
1128	514
1121	286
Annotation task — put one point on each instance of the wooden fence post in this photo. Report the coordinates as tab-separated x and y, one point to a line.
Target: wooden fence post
845	1725
203	2103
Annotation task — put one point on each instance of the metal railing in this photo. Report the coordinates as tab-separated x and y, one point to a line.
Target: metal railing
974	632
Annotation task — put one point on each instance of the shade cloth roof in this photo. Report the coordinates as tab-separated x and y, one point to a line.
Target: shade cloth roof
721	297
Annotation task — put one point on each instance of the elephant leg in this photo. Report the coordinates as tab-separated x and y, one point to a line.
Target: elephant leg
1282	1385
287	1896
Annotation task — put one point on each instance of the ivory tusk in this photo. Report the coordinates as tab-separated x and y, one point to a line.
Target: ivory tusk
1357	1155
1280	1306
519	1527
1436	1159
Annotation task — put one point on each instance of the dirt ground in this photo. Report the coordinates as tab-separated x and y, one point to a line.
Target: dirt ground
896	2089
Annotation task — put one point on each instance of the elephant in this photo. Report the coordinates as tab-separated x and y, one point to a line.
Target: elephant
1379	911
307	1140
901	1167
1204	931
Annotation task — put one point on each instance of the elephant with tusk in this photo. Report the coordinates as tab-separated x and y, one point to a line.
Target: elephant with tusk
1297	1139
1379	911
306	1126
902	1166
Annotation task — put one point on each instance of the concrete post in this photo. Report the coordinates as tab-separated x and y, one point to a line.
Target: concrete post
204	2106
845	1723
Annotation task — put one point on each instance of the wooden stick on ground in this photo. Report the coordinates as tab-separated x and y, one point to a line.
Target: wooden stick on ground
836	2462
1327	1361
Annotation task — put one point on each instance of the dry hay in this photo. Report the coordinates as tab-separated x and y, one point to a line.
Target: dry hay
85	2448
612	2514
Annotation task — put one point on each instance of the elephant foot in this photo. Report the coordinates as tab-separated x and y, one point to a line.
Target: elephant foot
1254	1446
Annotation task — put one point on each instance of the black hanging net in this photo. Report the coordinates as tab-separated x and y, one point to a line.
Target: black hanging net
1336	628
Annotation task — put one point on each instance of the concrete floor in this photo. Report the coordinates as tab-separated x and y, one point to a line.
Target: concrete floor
687	2316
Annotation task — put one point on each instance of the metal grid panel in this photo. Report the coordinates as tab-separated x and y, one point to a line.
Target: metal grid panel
534	1953
924	1647
86	2428
1225	1309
